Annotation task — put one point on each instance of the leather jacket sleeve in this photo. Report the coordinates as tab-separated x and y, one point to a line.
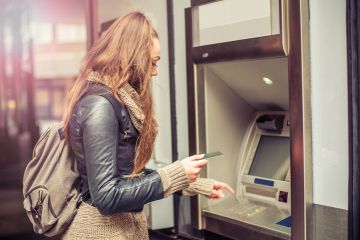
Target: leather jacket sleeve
109	192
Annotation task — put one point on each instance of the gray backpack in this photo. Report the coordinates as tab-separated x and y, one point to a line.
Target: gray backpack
51	183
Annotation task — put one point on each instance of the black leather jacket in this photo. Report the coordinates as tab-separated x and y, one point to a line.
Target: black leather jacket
105	154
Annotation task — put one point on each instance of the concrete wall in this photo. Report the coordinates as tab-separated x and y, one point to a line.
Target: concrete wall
329	102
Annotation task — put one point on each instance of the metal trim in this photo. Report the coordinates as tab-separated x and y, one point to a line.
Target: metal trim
353	67
284	16
202	2
175	155
262	47
191	106
307	116
300	121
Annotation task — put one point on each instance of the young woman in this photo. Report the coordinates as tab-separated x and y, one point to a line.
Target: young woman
111	154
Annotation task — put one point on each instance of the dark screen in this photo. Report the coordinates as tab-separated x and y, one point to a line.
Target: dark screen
272	157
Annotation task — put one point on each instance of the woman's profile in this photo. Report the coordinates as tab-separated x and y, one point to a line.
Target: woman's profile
111	153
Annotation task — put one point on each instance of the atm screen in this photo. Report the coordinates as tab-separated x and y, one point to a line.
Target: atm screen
272	157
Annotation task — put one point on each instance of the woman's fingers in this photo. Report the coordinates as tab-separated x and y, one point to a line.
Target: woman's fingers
218	186
201	163
193	176
196	157
217	194
193	165
226	186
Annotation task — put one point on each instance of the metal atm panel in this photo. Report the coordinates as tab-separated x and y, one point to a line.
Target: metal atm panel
226	108
293	18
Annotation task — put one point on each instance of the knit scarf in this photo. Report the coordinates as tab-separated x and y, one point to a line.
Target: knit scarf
129	97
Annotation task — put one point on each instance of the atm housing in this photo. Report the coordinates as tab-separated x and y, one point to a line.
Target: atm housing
240	116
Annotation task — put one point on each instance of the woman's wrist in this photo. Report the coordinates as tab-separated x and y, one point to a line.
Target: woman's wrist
174	178
203	186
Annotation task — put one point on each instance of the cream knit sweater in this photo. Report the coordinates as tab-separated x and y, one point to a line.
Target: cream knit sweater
174	179
90	224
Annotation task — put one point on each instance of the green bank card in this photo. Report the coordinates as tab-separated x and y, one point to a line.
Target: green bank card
212	154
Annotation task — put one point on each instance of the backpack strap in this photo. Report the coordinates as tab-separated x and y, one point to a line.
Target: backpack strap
118	108
102	90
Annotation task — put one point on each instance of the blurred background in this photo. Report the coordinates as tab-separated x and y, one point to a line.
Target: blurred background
42	43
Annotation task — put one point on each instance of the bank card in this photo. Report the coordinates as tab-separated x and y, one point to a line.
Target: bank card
212	154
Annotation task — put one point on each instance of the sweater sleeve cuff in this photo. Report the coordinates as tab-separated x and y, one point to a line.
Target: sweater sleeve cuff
173	178
203	186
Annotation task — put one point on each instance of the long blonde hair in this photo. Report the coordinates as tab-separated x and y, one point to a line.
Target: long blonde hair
123	55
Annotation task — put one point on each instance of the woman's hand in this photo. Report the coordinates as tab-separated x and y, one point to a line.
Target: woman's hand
193	165
217	190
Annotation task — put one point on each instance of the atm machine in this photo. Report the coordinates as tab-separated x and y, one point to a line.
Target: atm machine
248	121
239	104
262	199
